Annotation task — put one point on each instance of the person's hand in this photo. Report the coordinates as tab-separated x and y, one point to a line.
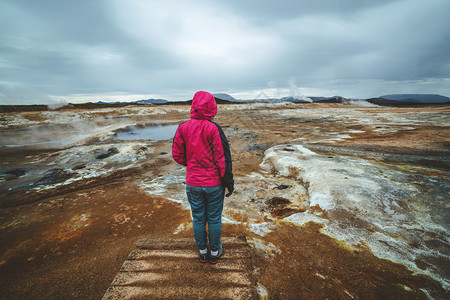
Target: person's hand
230	189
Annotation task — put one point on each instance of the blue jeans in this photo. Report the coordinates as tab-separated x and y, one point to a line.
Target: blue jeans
206	207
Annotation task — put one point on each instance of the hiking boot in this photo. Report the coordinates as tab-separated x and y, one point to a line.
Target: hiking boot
213	259
203	257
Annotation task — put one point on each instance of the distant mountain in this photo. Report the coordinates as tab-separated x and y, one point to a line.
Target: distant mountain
417	98
103	102
296	99
147	101
151	101
390	100
226	97
277	100
333	99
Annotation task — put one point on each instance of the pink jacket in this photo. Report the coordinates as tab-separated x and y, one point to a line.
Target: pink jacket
201	146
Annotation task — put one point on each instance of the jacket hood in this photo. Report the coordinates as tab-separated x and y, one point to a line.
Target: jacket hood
204	106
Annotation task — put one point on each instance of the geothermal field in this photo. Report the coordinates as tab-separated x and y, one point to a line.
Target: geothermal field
337	201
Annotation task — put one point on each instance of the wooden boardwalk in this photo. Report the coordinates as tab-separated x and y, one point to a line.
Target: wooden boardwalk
170	269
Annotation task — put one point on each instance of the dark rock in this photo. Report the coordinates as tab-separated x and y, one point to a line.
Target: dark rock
277	202
249	135
279	207
258	147
54	176
16	172
282	187
104	154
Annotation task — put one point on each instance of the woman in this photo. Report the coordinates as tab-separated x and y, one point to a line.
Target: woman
201	146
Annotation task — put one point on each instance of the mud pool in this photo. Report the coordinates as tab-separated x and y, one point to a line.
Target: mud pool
372	179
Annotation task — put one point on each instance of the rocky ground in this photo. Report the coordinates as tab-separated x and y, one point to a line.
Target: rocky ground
337	201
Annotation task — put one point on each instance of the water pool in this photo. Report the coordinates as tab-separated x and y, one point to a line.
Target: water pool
158	132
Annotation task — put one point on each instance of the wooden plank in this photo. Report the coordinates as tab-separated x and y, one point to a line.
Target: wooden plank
156	265
143	279
183	243
195	292
169	268
140	254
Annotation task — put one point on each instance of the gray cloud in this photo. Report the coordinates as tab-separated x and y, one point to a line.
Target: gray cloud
172	48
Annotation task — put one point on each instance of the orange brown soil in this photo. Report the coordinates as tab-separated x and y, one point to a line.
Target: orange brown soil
72	245
425	137
312	265
69	243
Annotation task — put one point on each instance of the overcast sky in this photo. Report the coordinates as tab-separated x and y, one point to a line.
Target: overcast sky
134	49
